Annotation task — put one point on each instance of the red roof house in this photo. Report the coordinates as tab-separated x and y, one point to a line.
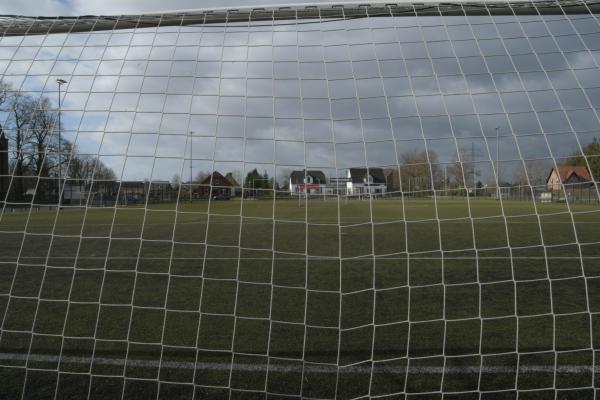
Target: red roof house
568	175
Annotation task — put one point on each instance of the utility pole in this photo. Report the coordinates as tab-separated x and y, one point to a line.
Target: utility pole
60	82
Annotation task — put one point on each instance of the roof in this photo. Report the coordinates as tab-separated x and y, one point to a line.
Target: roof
390	171
132	183
358	175
231	179
216	179
298	176
15	25
565	172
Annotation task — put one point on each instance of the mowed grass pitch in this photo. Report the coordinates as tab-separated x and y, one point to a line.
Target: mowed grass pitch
319	299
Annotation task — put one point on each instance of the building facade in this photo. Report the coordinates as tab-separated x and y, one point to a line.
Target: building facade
565	177
366	181
307	182
215	184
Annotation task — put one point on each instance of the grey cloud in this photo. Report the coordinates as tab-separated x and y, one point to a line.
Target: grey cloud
115	7
350	93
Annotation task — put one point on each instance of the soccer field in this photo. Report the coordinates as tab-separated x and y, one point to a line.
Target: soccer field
318	298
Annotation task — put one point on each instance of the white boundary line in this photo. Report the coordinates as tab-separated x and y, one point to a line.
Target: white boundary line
295	367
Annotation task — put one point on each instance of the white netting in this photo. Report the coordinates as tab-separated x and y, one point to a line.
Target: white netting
337	202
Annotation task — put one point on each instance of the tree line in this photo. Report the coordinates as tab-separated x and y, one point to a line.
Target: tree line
421	170
254	180
32	127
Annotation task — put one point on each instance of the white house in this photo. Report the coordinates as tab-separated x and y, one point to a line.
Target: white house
369	181
307	182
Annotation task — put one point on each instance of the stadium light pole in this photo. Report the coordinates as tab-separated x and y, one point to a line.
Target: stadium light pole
191	161
60	82
497	164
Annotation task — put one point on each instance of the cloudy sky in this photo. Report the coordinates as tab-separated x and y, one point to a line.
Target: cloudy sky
333	95
106	7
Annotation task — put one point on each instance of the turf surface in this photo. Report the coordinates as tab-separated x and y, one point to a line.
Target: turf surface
319	299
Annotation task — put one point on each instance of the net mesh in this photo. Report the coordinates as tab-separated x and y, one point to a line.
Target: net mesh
340	202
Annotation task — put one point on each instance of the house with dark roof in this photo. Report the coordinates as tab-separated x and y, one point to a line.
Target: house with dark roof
213	185
234	183
307	182
370	181
568	176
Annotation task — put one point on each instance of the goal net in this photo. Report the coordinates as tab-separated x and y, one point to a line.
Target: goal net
359	201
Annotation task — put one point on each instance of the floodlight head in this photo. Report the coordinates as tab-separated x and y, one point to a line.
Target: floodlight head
60	81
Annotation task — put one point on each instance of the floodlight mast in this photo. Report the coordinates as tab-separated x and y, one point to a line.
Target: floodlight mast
60	82
498	193
191	161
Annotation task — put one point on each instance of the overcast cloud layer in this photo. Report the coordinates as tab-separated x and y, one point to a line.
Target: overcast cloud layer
115	7
328	96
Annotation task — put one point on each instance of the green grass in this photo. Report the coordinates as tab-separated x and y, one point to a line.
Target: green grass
265	285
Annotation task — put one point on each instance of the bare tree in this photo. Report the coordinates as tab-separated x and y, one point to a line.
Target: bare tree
4	88
88	167
32	129
18	132
21	109
419	170
533	173
44	139
463	170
